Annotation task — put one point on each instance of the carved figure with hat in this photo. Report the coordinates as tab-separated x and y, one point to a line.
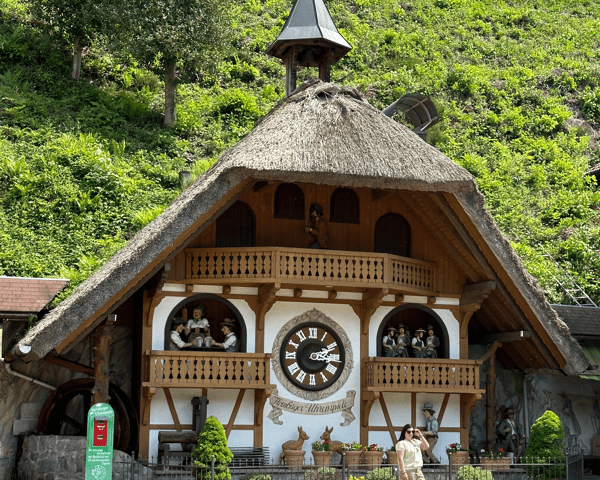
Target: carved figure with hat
430	433
418	343
230	344
509	434
177	328
199	326
389	342
402	342
432	343
318	227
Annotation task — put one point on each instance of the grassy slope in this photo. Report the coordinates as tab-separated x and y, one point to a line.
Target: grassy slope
83	165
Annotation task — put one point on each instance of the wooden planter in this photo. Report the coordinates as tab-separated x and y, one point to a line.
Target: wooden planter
322	458
294	457
371	460
495	463
391	457
459	459
352	459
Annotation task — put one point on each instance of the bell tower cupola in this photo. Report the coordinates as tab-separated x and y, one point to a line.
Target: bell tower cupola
309	38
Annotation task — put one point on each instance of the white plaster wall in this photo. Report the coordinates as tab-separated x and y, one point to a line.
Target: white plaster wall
313	425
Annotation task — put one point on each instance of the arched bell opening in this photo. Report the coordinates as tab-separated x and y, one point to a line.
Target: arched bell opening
215	310
413	317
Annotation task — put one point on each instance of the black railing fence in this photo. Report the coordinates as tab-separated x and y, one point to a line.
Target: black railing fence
177	468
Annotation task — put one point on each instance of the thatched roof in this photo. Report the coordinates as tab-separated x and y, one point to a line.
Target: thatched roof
322	134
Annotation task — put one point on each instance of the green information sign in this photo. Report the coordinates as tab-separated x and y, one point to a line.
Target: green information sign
99	450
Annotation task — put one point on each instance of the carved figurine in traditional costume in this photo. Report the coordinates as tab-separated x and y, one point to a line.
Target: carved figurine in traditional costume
509	434
177	327
318	228
402	342
230	344
199	327
430	433
418	344
389	344
432	343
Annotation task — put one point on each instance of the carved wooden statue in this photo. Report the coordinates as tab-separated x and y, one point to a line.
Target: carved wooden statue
334	445
294	444
389	343
402	342
318	228
432	343
418	344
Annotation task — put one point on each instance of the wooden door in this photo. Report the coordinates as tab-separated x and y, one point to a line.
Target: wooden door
392	235
235	227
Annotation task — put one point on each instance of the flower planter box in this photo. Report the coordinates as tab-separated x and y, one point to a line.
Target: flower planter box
294	457
495	463
372	460
322	458
459	459
352	458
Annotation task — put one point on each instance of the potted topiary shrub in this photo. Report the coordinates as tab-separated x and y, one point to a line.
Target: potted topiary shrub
546	447
212	442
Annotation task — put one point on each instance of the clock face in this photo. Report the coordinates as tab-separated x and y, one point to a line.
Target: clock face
312	356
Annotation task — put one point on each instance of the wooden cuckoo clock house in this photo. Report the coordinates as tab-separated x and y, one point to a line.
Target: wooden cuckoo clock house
320	233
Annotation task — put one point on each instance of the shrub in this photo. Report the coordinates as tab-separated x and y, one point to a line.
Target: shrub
256	476
385	473
212	442
473	473
546	446
322	473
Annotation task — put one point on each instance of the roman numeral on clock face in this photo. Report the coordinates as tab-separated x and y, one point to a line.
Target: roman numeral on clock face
293	368
312	332
301	335
331	368
301	376
289	355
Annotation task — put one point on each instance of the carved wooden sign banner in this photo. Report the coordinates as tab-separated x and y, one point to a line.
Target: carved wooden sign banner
281	404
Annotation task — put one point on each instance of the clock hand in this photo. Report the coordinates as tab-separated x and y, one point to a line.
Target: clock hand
316	356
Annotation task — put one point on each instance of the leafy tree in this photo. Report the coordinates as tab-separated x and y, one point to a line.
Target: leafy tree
174	33
212	442
78	21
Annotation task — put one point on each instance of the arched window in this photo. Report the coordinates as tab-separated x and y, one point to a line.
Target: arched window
235	227
392	235
289	202
345	206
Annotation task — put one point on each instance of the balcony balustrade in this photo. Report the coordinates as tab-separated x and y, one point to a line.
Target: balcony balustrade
310	266
188	369
422	375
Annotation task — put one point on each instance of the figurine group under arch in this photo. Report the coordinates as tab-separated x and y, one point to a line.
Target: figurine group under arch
397	342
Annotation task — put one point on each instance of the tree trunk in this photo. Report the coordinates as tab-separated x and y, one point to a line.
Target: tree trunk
77	49
170	115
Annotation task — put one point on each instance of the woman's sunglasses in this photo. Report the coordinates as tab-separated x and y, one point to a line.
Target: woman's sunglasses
410	431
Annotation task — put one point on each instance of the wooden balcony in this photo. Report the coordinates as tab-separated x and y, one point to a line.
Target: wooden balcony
422	375
182	369
310	266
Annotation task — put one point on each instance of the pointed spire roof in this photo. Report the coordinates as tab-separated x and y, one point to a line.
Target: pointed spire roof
309	22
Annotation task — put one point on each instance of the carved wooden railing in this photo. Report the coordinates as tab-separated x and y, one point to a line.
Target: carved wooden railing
422	375
300	265
206	370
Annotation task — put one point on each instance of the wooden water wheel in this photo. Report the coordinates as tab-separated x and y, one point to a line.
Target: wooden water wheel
65	413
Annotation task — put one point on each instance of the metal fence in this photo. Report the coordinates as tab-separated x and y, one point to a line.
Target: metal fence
178	468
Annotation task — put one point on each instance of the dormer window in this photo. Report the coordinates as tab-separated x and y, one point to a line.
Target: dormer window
289	202
345	206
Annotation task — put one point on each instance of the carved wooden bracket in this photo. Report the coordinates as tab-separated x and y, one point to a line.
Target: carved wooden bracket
370	303
260	399
476	293
147	395
264	301
367	399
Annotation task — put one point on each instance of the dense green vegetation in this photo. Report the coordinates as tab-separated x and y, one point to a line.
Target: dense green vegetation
84	164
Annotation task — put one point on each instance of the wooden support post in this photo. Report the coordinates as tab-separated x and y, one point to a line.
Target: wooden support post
264	301
260	399
490	396
467	402
101	365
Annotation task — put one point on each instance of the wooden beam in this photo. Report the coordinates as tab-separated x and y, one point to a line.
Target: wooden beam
467	402
388	419
443	408
476	292
265	299
234	412
63	362
332	294
172	409
506	337
260	399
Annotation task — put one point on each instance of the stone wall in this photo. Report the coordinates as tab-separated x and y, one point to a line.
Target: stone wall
576	401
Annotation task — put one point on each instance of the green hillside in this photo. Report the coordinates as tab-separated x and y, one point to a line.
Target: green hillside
86	163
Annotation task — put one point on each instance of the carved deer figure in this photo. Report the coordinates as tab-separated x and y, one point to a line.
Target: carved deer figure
294	444
333	444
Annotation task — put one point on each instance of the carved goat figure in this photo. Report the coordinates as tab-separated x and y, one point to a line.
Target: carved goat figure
334	445
294	444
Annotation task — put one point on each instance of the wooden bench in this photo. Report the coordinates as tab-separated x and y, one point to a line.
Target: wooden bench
242	456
